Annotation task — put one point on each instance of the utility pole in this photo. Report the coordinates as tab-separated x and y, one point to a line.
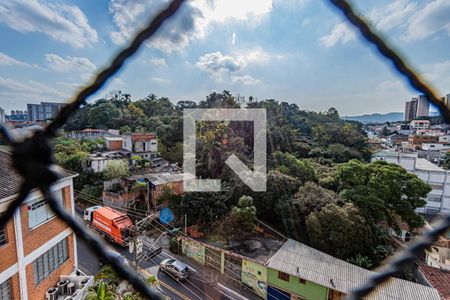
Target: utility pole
137	247
185	224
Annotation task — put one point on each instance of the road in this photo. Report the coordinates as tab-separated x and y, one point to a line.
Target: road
194	288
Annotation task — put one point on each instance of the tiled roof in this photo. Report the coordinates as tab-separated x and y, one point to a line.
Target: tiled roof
313	265
10	180
438	279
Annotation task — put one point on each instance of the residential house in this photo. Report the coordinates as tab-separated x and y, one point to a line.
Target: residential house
36	248
420	124
438	200
396	140
438	257
97	162
435	146
143	144
113	143
416	140
160	182
436	278
143	190
126	193
297	271
91	134
286	269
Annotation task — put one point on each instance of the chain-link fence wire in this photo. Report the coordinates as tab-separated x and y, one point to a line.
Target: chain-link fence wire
403	259
33	157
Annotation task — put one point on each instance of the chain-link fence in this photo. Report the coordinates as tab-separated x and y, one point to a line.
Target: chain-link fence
33	157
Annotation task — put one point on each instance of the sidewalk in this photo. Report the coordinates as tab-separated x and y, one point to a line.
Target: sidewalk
214	278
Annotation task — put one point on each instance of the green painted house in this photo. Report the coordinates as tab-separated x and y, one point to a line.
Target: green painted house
297	271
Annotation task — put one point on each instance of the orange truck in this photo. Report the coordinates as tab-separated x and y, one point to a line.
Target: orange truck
115	226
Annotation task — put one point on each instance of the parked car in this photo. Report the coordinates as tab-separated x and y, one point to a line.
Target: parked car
174	268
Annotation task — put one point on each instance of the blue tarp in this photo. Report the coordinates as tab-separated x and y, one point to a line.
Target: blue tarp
166	216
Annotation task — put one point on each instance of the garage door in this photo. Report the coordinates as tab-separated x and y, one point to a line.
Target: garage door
275	294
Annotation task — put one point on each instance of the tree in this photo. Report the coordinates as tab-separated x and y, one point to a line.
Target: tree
361	261
280	188
242	218
311	198
201	208
116	169
383	192
102	291
302	169
339	231
102	116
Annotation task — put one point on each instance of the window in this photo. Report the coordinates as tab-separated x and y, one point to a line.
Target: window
283	276
5	290
50	261
434	199
437	186
39	210
302	281
3	238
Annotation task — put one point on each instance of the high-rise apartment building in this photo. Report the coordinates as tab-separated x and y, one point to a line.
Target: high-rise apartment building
446	100
417	107
43	111
411	109
2	115
423	106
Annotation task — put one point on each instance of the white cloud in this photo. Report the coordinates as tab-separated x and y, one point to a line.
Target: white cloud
224	10
62	22
189	25
395	14
233	38
389	85
7	60
159	62
430	20
69	64
12	90
160	80
225	67
218	65
244	80
414	20
341	33
256	55
438	75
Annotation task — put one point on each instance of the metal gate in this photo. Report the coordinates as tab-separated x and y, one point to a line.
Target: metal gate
233	266
212	258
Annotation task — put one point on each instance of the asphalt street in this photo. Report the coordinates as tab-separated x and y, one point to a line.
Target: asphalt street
192	288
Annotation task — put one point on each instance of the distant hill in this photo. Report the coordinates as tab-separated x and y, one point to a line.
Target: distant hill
376	118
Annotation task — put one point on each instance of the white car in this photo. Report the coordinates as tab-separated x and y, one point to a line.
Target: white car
175	268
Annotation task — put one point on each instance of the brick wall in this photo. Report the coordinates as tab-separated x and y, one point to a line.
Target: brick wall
8	253
38	292
33	239
15	287
114	145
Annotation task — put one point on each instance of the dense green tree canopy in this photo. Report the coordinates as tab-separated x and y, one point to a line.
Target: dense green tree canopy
340	231
383	191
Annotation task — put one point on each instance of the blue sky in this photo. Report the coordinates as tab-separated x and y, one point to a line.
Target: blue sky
298	51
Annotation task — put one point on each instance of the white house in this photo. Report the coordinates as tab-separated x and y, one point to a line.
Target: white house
438	200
